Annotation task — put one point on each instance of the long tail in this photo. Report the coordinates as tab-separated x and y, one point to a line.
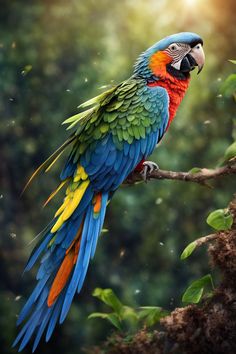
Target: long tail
65	251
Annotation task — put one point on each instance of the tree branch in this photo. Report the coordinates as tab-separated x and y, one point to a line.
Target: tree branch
200	177
200	241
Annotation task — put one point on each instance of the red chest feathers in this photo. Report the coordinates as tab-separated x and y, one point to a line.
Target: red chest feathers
176	90
175	87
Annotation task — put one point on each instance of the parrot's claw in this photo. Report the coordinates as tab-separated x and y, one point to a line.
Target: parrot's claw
148	167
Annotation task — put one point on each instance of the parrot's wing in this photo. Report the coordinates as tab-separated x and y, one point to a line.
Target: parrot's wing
80	119
131	114
97	103
128	111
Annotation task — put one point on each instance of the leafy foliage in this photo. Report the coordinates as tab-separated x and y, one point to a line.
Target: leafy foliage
113	318
220	219
194	292
230	152
229	86
109	298
188	250
143	316
151	314
195	170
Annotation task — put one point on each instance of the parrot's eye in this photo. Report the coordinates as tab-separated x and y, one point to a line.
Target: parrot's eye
173	47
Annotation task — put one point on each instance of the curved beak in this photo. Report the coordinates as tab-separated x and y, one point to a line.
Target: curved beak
198	55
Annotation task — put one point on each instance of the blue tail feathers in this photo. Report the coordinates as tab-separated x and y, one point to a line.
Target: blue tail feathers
40	317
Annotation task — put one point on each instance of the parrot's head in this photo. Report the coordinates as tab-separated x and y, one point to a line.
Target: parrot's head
174	56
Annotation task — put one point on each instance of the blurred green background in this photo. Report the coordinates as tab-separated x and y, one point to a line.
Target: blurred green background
53	56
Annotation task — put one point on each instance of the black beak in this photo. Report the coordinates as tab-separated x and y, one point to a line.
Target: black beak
188	64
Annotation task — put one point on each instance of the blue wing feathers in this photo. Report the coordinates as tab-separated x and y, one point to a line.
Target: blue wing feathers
69	168
126	148
131	150
111	158
143	145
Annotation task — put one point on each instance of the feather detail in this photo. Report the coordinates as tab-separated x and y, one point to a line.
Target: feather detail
50	161
52	195
98	99
53	162
65	270
61	278
70	204
97	203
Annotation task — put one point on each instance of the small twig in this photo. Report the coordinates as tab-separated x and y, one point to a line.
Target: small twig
200	177
200	241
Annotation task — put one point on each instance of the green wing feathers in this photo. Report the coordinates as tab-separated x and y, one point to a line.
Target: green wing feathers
126	111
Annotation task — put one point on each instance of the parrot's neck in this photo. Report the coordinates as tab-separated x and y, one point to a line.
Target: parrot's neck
176	89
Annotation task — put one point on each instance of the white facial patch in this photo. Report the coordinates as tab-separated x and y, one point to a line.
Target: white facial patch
177	51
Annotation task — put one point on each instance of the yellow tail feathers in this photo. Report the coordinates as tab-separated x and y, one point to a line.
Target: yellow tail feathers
74	194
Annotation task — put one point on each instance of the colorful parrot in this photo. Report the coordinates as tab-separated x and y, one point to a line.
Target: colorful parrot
111	138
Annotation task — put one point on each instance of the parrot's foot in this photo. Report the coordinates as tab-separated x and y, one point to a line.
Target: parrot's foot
148	167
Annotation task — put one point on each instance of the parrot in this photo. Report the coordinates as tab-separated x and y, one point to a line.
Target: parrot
111	137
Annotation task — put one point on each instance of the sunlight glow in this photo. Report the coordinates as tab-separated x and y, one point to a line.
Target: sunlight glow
190	2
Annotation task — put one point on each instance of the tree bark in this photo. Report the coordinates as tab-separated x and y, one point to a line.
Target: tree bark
200	177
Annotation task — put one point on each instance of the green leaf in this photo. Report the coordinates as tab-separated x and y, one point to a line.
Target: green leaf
220	219
151	314
114	319
229	86
230	152
129	312
232	61
97	315
194	292
109	298
188	250
130	316
195	170
111	317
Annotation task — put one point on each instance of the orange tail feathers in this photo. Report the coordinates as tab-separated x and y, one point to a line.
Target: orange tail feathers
65	269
